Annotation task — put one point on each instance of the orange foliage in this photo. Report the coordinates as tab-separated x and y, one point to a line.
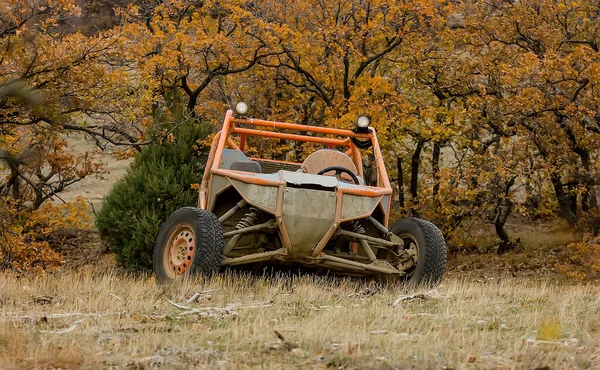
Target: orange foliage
584	259
22	234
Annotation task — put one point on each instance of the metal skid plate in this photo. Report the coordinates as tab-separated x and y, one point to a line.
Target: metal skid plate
307	215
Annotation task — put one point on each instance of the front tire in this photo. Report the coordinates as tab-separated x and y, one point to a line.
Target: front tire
189	242
430	247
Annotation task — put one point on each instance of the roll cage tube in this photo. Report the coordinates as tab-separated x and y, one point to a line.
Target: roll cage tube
347	140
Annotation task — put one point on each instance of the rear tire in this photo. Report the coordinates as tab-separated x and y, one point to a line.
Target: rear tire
431	250
189	242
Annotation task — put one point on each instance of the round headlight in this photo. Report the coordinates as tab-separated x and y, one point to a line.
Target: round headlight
363	122
241	108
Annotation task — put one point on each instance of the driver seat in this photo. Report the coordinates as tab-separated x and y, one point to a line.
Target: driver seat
323	158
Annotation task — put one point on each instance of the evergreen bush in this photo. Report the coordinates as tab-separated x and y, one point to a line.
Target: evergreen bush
157	184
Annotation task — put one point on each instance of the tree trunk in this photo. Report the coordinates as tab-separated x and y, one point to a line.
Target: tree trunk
564	200
400	183
415	163
15	183
503	210
588	199
585	202
435	169
572	196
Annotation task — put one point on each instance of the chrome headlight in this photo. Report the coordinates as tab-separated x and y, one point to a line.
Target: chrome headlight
241	108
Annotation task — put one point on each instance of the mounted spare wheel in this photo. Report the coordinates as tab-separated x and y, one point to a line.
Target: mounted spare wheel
189	242
425	248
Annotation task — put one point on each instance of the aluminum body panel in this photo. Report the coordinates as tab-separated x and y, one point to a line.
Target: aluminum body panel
217	185
385	202
263	197
355	206
307	214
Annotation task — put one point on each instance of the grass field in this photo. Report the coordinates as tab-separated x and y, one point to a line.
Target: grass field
92	319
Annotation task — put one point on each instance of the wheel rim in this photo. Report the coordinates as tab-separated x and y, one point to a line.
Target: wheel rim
180	250
411	245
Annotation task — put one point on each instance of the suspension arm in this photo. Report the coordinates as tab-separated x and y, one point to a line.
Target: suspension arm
369	239
267	225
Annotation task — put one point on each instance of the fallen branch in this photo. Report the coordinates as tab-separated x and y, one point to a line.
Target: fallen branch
59	316
41	300
117	297
376	332
216	311
432	294
180	306
564	343
63	331
284	343
197	295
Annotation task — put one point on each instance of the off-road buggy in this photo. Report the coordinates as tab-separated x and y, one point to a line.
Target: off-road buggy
319	213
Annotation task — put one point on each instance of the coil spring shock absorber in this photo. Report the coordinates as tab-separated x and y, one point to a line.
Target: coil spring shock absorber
248	220
357	227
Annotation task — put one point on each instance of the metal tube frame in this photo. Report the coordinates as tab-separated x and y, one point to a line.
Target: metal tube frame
383	188
239	205
367	238
269	224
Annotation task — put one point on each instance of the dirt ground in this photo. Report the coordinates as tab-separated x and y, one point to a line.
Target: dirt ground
85	249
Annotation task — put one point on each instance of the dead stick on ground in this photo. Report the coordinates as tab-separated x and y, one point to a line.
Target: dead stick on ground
287	344
229	307
60	316
180	306
63	331
197	295
117	297
429	295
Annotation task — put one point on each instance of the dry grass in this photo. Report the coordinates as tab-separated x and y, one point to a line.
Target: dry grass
126	322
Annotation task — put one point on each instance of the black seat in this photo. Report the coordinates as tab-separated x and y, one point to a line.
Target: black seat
246	166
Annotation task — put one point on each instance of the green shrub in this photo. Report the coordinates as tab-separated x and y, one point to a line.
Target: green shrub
158	183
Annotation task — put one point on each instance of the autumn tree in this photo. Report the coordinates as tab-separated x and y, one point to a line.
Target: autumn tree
482	108
549	89
77	84
191	46
52	85
450	89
